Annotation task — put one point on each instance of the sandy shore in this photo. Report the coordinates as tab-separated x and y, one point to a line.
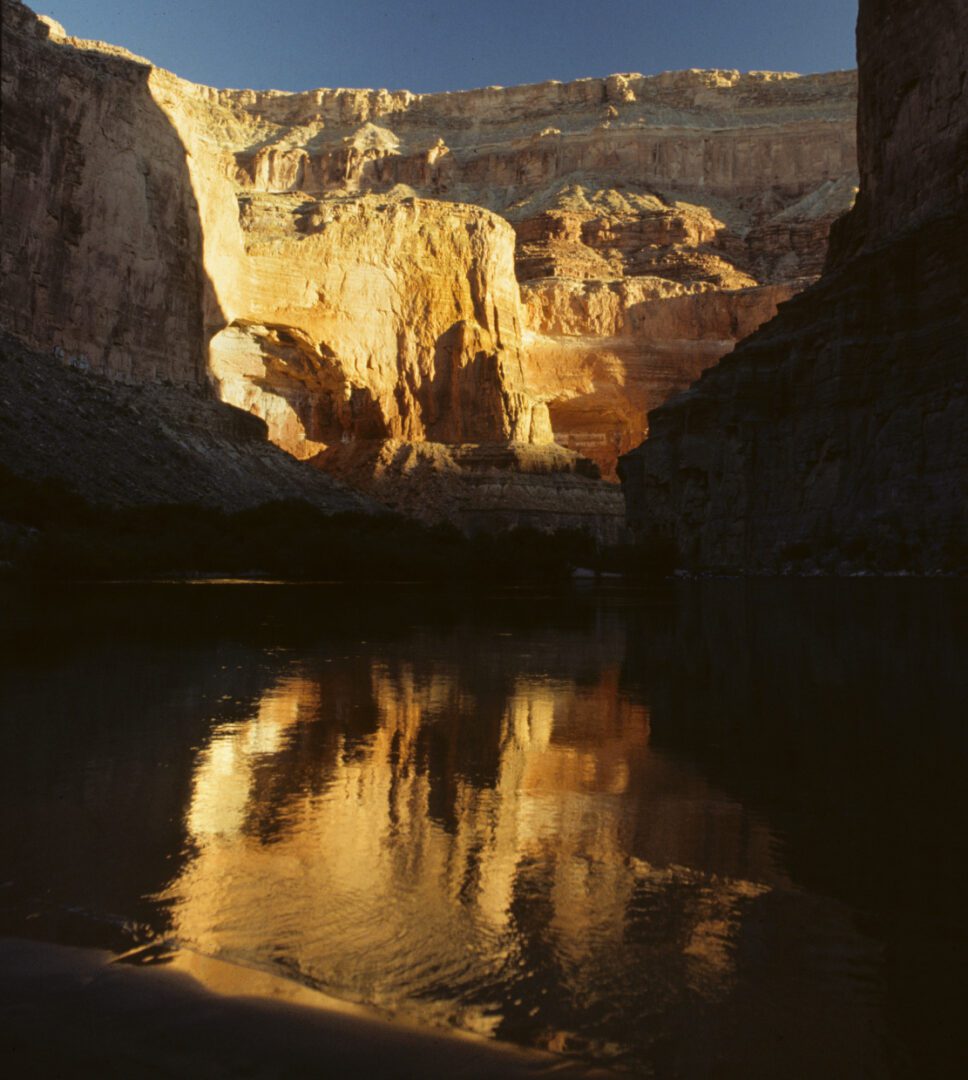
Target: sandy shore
68	1012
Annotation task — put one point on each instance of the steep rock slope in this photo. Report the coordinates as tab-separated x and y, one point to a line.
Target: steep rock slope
363	320
126	253
125	245
837	436
116	444
101	244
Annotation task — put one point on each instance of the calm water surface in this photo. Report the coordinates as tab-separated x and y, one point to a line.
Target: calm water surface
708	831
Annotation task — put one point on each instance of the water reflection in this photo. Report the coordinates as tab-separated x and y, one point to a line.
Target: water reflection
587	878
691	835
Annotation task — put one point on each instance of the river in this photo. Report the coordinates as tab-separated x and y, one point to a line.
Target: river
704	829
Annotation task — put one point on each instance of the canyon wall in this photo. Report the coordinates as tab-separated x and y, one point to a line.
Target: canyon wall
836	438
101	244
372	321
389	279
605	352
624	193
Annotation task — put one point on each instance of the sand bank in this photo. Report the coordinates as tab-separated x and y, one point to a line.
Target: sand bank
78	1012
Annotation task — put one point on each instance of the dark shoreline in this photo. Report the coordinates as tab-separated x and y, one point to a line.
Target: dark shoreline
66	1011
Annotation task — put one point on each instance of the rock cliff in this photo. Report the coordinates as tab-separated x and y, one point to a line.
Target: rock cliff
369	320
101	244
836	437
372	270
620	191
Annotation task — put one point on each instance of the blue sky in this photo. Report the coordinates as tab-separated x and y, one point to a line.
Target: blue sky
428	45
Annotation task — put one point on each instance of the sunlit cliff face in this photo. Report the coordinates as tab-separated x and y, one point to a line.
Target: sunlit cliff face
357	845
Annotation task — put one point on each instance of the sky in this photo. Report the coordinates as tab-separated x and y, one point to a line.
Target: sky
432	45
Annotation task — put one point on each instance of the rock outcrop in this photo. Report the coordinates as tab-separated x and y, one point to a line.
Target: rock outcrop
836	437
369	320
604	353
498	268
483	487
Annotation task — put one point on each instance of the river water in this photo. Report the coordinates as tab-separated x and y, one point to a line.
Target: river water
710	829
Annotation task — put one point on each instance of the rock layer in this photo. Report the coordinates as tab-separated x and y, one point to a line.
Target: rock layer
675	184
345	264
837	436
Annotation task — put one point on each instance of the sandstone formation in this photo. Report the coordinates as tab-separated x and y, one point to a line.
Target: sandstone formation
606	352
369	320
649	188
478	275
101	253
837	436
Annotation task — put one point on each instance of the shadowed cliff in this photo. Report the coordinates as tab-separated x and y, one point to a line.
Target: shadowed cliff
101	240
836	437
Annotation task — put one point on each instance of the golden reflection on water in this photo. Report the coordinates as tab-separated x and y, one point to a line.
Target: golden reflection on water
371	859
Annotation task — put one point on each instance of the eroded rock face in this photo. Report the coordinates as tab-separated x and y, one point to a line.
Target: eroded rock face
604	353
726	134
654	187
837	436
345	264
368	320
